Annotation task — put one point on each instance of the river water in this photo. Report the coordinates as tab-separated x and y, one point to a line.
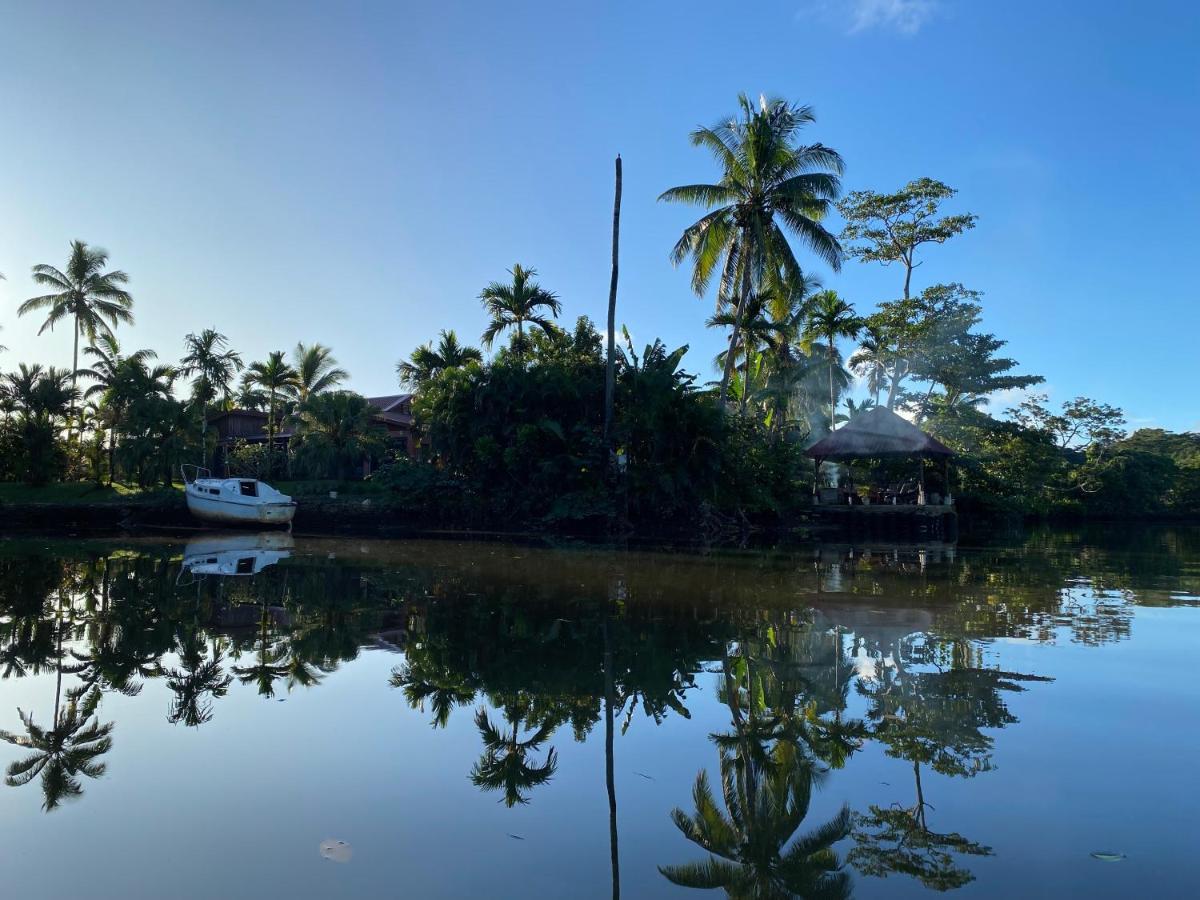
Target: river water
242	716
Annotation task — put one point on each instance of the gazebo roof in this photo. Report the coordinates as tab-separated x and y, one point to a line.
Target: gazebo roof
878	432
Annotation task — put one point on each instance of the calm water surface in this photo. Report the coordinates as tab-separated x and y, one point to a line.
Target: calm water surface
243	717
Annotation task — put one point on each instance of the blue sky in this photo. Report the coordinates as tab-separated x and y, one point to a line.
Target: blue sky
355	174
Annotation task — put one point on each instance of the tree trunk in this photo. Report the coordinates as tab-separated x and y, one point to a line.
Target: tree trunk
112	449
832	399
74	380
610	374
737	327
203	434
920	817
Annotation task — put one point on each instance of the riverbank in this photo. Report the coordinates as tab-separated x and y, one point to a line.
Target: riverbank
355	508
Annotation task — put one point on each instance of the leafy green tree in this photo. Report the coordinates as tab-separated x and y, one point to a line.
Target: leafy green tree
770	186
110	370
516	303
1083	423
830	317
42	401
335	431
428	361
154	429
890	228
316	370
94	299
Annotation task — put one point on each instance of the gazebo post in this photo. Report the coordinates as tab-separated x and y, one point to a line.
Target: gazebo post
816	480
921	478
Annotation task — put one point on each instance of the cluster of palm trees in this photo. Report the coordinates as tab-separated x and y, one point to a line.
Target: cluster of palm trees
125	389
771	186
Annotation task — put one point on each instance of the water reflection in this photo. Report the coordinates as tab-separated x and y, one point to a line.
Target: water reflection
235	554
812	657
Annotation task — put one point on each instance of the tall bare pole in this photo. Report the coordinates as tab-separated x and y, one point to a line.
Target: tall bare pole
610	376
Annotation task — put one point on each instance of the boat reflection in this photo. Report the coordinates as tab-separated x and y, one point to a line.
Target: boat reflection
235	554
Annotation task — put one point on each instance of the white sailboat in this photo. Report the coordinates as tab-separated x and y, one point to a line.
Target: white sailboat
235	501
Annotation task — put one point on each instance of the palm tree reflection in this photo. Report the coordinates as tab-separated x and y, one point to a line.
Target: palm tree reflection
505	764
199	680
754	848
61	754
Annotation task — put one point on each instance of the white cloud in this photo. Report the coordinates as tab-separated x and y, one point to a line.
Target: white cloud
902	16
905	16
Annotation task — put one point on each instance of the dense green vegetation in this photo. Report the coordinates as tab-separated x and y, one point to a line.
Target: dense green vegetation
520	438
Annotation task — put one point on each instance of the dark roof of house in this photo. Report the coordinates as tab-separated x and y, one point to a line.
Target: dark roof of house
878	432
390	402
245	413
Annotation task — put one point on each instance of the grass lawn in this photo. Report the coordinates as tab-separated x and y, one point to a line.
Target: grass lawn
82	492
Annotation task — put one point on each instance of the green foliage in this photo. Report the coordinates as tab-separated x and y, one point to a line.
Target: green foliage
427	361
248	460
334	433
771	187
522	440
889	228
428	494
516	304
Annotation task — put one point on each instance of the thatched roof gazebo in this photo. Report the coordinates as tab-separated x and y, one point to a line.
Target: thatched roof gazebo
879	433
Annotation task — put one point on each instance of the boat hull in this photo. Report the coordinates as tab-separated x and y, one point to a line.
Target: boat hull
224	512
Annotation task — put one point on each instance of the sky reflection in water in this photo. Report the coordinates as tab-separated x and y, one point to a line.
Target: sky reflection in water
234	716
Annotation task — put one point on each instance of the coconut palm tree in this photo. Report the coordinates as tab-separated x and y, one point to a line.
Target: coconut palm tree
316	370
504	765
872	358
830	317
753	847
95	299
427	362
516	303
770	186
275	378
212	367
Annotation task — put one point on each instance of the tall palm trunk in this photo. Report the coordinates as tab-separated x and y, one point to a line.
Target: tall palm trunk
271	436
737	323
610	373
112	450
832	400
74	421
